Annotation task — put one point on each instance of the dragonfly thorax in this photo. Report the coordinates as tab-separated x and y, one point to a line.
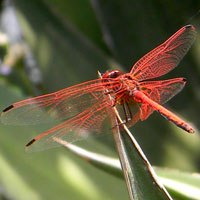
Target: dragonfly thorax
126	83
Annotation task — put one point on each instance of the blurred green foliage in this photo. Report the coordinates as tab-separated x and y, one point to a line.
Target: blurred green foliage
71	40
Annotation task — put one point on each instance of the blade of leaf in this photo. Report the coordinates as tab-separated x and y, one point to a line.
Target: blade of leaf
182	183
105	163
142	180
172	179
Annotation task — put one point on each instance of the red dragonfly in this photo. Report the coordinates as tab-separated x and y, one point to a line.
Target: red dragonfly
85	106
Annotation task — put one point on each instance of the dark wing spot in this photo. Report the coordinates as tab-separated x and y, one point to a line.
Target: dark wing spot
188	26
8	108
184	80
191	27
31	142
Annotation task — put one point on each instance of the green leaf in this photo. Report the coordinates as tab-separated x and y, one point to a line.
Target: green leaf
141	179
173	180
181	183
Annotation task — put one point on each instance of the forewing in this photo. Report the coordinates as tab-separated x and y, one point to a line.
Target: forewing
165	57
160	92
61	105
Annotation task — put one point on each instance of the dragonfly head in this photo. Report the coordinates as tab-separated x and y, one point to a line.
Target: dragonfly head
111	82
112	74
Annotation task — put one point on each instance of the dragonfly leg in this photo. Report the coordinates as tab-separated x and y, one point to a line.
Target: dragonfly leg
127	112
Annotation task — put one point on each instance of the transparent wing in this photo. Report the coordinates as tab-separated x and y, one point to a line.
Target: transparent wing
84	107
60	105
77	128
165	57
160	92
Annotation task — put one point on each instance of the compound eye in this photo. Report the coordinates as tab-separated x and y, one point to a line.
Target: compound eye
112	74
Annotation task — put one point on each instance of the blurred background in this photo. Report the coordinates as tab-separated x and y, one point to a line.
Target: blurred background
48	45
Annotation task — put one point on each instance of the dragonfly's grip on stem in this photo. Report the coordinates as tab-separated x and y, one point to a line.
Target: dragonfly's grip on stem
163	111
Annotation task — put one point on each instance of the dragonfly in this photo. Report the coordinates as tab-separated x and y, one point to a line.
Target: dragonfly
83	108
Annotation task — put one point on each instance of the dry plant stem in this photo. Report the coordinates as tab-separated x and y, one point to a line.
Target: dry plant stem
124	159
